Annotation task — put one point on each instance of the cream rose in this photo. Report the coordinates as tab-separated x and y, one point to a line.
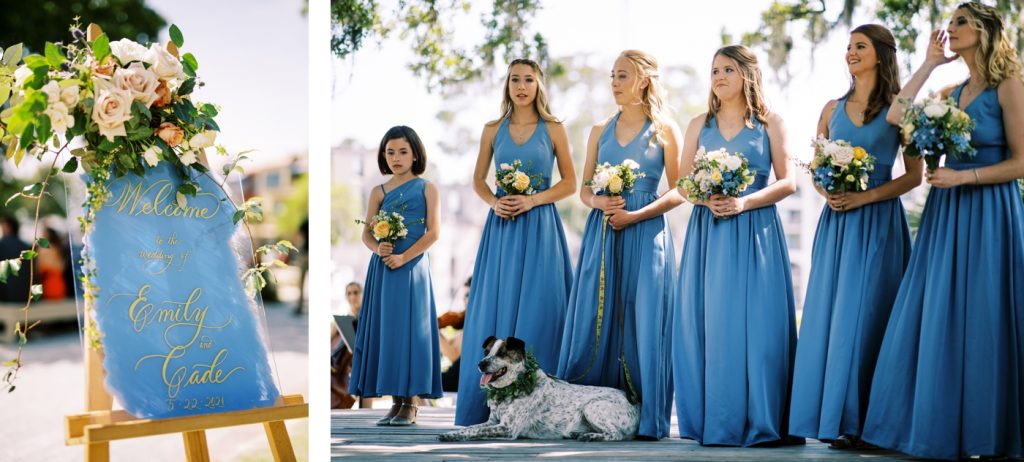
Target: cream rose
127	51
732	162
152	155
202	140
52	90
908	132
841	155
69	95
165	65
935	110
170	133
138	80
60	119
188	158
522	182
111	108
20	75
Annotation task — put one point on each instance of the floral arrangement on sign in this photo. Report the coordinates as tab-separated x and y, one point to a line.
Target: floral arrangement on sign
933	128
128	107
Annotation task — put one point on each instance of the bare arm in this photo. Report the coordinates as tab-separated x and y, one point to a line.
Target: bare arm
587	196
372	207
689	152
934	57
483	168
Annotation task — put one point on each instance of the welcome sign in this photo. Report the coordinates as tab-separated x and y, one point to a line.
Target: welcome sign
179	334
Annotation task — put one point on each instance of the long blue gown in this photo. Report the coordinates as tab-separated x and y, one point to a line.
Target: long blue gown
734	332
950	375
856	266
521	277
396	350
639	270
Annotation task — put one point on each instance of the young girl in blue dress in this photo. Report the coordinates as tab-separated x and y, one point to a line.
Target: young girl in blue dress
734	334
522	273
396	350
860	249
949	382
616	328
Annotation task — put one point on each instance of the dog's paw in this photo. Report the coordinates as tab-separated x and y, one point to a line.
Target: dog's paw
450	436
592	437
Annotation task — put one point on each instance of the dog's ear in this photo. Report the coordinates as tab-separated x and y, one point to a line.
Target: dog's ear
515	344
490	341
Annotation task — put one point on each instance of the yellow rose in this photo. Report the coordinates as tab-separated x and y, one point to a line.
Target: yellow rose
615	184
859	153
381	230
716	175
522	182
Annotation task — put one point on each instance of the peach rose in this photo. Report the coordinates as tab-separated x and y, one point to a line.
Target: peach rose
170	133
163	95
106	67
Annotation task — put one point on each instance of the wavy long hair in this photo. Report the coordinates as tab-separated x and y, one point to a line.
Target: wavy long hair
887	83
753	92
652	97
996	59
540	103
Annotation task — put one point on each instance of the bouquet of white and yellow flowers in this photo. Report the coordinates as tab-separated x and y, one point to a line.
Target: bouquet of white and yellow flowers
388	226
613	180
933	128
511	179
838	166
717	172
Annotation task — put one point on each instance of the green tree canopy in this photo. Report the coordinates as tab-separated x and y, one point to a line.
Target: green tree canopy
35	22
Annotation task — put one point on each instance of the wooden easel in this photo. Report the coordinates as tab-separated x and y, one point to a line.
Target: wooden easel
101	425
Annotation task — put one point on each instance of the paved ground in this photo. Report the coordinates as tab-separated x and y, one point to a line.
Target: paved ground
50	387
355	437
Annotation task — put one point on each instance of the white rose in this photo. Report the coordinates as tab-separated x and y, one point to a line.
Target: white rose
69	95
163	63
935	110
60	119
138	80
718	156
127	51
601	179
52	90
111	108
188	158
504	166
732	163
152	155
631	164
20	74
841	156
202	140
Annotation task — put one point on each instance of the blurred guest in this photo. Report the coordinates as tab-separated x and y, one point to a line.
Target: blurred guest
50	267
11	246
451	347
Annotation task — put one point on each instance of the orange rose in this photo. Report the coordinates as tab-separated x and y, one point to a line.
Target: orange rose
163	95
106	67
170	133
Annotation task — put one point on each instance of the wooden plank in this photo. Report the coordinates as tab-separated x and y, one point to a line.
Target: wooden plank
195	446
97	452
116	425
280	443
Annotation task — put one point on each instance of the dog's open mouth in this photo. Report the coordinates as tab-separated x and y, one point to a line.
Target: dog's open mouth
491	376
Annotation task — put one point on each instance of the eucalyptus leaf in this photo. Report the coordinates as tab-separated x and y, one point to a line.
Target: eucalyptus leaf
176	36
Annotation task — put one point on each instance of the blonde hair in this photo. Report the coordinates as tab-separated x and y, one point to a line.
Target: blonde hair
753	94
540	103
653	96
996	57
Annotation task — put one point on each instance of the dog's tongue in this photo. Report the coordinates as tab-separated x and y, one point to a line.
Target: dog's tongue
485	379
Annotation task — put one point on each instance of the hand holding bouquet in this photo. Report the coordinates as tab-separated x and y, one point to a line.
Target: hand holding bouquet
933	128
840	167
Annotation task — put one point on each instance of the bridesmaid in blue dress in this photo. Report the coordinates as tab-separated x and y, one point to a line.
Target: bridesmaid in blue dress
628	263
734	332
950	376
860	250
522	274
396	349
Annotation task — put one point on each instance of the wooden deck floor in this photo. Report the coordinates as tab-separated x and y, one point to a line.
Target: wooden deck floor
355	437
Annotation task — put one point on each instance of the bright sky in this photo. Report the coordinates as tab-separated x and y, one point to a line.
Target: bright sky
374	90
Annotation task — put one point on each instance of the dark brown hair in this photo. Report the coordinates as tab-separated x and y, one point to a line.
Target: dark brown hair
419	153
887	82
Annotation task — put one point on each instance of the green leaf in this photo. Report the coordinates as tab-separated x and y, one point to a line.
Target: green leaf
71	165
11	363
100	47
176	36
5	93
189	60
36	291
12	55
239	214
53	56
29	254
186	87
32	190
208	110
36	61
284	246
14	266
43	242
188	189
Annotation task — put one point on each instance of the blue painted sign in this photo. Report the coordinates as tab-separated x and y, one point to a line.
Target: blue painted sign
179	334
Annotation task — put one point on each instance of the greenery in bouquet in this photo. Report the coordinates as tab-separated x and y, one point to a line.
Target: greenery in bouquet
838	166
933	128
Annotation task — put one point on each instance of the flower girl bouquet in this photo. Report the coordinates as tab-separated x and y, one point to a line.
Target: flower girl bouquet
388	226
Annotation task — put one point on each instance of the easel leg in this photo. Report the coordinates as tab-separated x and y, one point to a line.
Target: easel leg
195	446
280	444
97	452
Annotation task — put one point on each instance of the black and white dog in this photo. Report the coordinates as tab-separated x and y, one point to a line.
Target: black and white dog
526	403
